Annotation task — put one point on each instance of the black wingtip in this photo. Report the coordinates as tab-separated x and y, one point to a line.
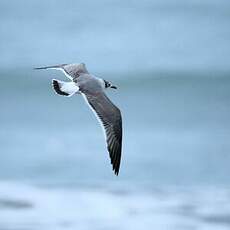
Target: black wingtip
116	167
57	89
115	162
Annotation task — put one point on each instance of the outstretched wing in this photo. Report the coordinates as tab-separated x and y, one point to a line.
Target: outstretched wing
72	71
109	117
57	67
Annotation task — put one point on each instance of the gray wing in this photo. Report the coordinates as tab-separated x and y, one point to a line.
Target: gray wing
72	71
110	117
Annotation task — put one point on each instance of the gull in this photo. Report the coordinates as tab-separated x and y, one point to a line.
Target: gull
93	89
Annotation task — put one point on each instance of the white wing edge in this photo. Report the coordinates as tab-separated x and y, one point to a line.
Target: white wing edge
100	122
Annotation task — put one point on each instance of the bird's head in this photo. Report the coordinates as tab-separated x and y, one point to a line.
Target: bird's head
109	85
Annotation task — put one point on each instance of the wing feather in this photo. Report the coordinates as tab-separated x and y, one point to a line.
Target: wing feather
72	71
110	118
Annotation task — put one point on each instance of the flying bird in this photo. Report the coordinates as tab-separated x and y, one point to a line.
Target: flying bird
93	89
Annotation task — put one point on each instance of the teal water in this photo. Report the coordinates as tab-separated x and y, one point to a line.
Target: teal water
117	36
172	124
170	61
55	171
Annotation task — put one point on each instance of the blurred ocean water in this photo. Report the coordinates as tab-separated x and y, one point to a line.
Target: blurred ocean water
25	207
175	166
117	36
171	125
170	61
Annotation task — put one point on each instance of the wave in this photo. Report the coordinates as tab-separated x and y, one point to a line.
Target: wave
37	207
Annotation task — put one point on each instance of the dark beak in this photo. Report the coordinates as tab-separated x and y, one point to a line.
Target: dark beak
113	87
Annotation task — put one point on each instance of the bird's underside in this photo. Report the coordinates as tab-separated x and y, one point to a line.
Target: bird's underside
91	88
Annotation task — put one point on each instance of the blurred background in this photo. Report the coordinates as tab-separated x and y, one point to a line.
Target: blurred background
170	61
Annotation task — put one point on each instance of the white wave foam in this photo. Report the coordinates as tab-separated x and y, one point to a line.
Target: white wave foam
86	208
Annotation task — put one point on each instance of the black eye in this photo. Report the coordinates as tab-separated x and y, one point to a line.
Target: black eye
107	84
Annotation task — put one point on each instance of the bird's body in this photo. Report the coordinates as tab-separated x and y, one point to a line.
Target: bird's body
92	89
